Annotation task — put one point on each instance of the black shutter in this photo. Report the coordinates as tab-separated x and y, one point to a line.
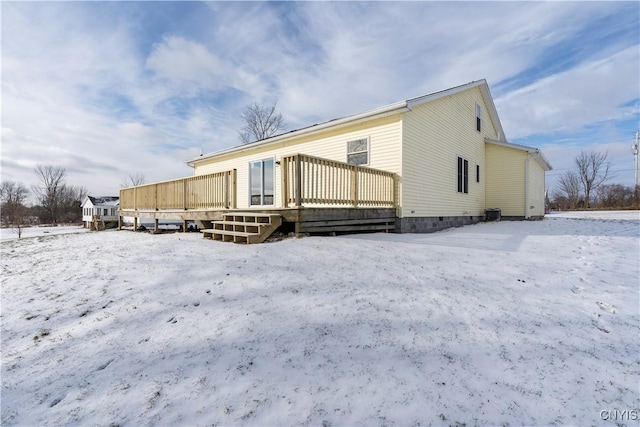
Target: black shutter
466	176
459	174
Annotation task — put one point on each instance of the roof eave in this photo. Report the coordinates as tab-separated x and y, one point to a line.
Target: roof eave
396	108
531	150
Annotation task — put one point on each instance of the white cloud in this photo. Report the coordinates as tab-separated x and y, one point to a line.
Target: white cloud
592	92
115	97
186	61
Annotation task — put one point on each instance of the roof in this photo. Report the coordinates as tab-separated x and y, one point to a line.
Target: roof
537	154
395	108
102	200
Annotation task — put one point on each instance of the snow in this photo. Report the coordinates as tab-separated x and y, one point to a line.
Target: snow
43	231
498	323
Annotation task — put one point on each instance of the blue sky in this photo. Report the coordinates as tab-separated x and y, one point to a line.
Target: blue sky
107	89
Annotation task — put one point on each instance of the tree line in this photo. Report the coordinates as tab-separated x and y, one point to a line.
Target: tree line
58	202
55	200
587	186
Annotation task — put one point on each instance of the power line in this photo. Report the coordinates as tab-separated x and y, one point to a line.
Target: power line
557	172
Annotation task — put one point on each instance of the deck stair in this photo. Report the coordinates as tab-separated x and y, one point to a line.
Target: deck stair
97	223
243	227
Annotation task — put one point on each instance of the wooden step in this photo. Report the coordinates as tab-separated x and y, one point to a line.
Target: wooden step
241	223
231	236
243	227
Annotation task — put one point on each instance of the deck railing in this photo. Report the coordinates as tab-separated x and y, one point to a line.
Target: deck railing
313	180
212	191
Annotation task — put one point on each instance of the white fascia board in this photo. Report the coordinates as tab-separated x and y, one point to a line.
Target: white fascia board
398	107
441	94
493	112
540	158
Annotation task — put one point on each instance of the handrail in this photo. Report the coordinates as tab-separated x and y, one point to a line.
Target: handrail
211	191
305	181
314	180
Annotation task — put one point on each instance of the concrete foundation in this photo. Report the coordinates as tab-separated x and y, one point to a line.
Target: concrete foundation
435	223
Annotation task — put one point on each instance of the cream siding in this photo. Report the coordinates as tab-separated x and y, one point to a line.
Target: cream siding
505	174
536	189
384	152
435	134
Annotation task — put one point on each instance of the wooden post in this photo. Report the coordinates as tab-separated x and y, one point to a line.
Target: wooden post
354	187
184	225
234	189
225	189
395	190
184	194
119	222
284	175
135	223
298	181
155	224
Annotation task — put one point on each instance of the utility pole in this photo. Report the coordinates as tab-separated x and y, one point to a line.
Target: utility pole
634	147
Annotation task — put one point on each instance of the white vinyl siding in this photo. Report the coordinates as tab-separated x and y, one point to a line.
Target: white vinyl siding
435	134
384	141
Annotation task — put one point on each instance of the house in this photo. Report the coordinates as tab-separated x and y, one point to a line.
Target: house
426	163
97	211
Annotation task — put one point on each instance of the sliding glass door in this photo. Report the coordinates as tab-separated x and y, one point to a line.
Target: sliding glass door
261	182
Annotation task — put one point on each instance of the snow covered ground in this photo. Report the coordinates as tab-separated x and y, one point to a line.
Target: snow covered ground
502	323
12	234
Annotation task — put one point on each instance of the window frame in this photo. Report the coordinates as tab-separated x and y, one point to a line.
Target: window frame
462	175
477	173
263	194
478	117
352	153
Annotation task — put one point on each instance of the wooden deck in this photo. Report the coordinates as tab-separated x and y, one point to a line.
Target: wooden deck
317	195
303	219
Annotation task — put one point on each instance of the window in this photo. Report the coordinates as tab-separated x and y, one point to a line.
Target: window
261	182
358	151
478	115
477	173
463	175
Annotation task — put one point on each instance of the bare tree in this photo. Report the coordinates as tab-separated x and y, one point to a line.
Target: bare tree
569	189
260	122
593	170
70	198
614	196
13	196
48	191
133	180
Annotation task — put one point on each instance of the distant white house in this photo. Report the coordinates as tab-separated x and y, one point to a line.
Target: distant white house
102	208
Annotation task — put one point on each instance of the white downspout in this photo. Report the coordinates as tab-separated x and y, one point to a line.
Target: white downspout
526	187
